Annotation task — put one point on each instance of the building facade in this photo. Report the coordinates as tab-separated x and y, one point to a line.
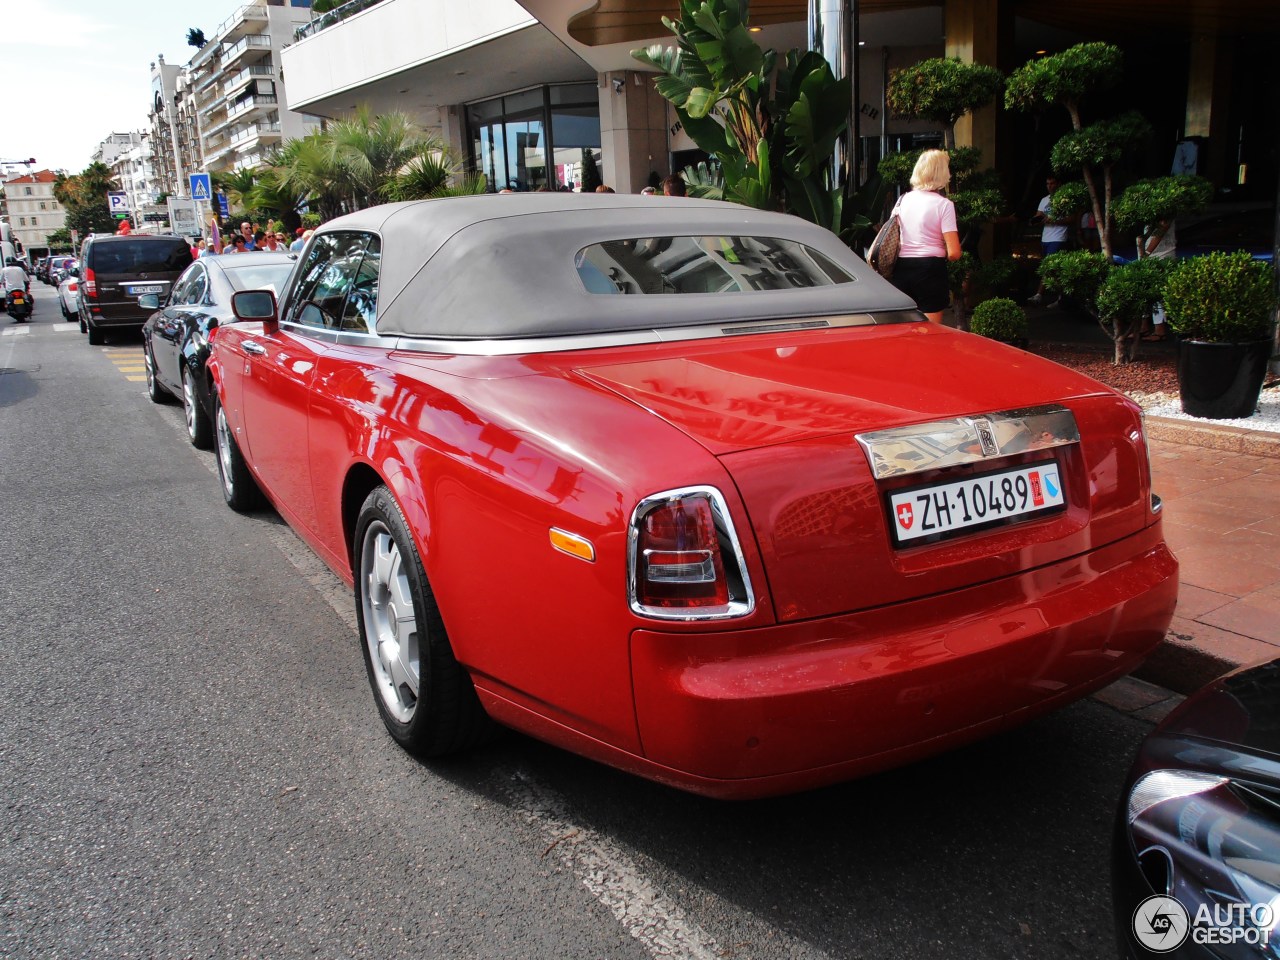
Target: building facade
225	108
488	76
233	91
34	213
171	162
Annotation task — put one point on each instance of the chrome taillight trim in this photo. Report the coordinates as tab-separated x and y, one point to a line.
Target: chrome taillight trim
738	606
946	443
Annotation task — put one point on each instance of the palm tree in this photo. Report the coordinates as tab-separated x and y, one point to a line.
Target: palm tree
373	150
308	168
435	172
237	185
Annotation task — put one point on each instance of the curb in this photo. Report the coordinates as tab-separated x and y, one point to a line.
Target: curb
1257	443
1183	666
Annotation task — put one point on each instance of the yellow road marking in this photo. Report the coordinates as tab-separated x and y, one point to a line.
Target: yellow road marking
136	379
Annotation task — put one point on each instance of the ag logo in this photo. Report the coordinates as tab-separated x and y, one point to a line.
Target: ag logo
905	515
1161	924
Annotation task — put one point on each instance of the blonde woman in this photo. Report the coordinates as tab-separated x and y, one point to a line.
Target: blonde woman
929	236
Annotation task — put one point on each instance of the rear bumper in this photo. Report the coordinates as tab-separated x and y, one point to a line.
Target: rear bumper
795	706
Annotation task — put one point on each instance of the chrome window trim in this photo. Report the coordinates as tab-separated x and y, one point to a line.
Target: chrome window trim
736	607
900	451
622	338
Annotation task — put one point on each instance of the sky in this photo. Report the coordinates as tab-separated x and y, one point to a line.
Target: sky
78	70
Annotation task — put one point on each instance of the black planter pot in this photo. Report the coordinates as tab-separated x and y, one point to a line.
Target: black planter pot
1221	381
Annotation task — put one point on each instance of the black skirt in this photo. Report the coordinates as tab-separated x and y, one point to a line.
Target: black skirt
924	280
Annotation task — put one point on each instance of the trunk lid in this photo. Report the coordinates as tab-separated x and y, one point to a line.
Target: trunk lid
783	414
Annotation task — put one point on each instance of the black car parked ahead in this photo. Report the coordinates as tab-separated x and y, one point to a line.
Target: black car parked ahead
176	339
115	271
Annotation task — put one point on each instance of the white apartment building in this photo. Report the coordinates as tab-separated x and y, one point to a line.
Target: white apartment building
109	149
132	168
234	93
225	108
33	211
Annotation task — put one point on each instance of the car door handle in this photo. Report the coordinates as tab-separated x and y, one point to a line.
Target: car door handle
252	346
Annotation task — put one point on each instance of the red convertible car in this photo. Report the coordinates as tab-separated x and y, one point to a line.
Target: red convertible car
686	488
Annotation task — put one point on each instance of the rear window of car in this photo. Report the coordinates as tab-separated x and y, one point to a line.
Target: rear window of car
728	264
141	256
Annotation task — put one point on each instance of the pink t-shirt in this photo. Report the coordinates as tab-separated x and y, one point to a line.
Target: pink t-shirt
925	216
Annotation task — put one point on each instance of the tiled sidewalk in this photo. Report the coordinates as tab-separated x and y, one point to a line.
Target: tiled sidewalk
1222	521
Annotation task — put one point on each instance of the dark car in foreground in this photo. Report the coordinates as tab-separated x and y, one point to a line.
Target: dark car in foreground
1197	847
115	271
175	339
685	487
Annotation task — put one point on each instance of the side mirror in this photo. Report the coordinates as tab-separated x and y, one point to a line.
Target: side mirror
149	301
256	305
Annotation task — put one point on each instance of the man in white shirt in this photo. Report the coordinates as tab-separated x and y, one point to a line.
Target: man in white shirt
15	278
1053	236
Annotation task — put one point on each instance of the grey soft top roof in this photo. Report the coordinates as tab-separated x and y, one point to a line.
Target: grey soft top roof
503	265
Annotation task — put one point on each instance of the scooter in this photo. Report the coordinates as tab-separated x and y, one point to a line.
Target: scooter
18	304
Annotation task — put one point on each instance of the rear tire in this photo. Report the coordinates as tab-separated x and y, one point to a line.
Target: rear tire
96	337
425	697
239	488
199	430
83	327
157	393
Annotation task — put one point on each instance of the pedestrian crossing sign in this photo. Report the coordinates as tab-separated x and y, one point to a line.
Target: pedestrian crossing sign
200	186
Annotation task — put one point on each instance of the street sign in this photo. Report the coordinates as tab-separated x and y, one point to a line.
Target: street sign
182	217
118	204
223	207
201	188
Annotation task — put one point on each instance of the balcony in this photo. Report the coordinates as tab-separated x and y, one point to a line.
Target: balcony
216	129
253	132
256	43
433	47
258	101
248	73
213	154
336	15
213	106
248	19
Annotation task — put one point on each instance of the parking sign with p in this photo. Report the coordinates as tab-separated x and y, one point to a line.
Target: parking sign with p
118	204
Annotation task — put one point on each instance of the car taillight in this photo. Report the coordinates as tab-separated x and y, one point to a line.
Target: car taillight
685	560
90	283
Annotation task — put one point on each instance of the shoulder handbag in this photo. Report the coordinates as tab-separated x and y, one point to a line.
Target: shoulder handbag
883	254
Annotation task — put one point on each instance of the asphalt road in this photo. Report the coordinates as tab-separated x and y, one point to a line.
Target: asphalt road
191	764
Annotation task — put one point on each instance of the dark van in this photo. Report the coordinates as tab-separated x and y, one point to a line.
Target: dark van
115	271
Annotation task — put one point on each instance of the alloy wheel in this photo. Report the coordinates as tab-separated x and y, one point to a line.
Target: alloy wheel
390	622
223	431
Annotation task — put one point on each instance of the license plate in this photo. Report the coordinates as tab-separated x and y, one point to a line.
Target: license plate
945	508
137	290
19	298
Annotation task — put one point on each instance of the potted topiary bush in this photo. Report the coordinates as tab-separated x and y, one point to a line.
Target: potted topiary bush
1000	319
1222	308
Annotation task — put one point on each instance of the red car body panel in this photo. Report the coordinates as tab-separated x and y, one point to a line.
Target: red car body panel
857	655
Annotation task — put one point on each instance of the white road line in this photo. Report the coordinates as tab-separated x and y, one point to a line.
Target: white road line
71	327
15	331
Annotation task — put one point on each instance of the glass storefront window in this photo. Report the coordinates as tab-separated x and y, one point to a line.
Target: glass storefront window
547	138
